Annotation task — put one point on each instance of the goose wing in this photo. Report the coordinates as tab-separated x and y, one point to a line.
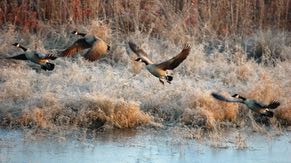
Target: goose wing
45	56
141	54
19	57
273	105
222	98
137	50
77	46
177	60
99	49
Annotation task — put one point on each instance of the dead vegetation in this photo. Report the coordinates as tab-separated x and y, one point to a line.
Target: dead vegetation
236	48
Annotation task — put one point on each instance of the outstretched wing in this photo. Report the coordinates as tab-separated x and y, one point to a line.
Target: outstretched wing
175	61
141	54
79	45
45	56
272	105
19	57
222	98
137	50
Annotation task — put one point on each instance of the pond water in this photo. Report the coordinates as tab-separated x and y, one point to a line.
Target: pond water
135	146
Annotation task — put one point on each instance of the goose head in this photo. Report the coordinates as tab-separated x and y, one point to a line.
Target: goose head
143	60
16	44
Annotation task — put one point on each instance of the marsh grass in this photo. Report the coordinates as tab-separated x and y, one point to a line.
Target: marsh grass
117	92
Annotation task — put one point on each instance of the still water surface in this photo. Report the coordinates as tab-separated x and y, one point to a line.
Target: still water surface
136	146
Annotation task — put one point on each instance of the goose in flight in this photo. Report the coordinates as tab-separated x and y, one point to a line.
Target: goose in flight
35	57
97	47
160	70
263	109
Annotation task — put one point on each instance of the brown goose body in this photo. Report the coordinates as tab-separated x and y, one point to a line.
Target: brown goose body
97	47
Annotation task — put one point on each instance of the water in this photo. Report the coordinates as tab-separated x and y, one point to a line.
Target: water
136	146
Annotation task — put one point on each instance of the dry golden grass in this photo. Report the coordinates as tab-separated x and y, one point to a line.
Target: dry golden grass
210	111
87	112
118	91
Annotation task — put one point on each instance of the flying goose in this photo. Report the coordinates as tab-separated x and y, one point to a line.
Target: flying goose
35	57
160	70
97	46
255	106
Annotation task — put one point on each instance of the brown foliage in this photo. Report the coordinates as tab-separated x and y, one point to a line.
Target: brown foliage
222	17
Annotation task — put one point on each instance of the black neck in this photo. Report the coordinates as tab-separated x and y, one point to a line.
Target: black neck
145	62
243	98
23	48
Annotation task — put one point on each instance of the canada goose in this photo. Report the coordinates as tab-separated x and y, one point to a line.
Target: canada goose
251	104
160	70
98	47
35	57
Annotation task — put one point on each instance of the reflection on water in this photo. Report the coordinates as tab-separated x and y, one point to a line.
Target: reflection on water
136	146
